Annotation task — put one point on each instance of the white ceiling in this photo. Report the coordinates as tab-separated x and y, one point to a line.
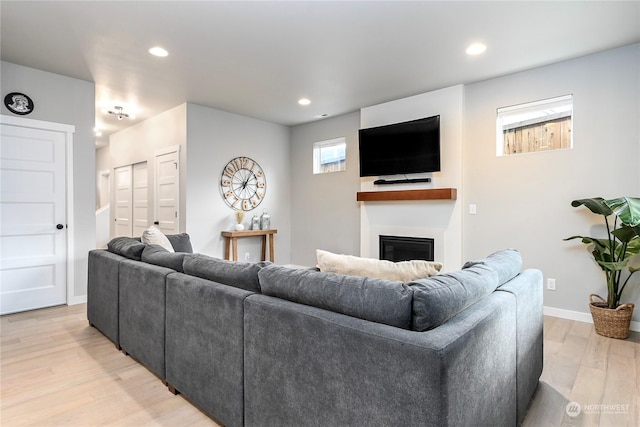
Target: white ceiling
258	58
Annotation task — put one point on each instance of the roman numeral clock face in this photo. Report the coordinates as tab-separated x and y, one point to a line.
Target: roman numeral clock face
243	184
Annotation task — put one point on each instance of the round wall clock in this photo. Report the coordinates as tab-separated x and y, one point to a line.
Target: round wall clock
18	103
243	184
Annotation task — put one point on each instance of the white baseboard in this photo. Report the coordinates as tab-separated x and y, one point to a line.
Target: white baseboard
580	316
82	299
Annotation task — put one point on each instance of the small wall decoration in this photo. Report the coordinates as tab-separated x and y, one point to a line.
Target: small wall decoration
18	103
243	184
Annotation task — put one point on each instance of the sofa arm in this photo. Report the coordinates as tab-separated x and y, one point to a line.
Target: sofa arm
527	288
309	366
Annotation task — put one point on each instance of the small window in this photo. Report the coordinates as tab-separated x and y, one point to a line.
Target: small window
330	156
535	126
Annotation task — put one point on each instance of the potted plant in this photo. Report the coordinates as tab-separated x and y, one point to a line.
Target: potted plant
615	256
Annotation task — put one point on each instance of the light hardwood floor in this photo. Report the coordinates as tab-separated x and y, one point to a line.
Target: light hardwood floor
56	370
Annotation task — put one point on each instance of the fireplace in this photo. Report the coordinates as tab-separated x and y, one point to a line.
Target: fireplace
401	248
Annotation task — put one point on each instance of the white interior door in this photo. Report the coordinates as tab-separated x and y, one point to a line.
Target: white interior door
140	198
167	191
33	233
123	199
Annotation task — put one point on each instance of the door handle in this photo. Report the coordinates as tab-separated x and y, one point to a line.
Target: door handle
59	226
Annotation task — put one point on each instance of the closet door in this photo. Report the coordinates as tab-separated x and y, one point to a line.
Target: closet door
123	196
140	198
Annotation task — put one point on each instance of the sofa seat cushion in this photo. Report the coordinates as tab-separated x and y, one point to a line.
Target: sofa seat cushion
367	298
127	247
439	298
157	255
403	271
241	275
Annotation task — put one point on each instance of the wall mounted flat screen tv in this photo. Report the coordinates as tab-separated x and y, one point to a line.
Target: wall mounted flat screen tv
401	148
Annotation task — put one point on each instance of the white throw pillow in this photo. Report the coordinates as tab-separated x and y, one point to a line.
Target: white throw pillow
153	236
404	271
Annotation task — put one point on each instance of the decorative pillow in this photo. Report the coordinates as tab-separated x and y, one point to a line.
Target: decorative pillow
153	236
157	255
403	271
126	247
376	300
241	275
180	242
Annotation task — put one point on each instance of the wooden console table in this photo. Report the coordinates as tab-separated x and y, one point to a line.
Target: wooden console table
231	242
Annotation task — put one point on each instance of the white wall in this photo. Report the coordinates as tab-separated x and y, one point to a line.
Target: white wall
103	163
215	137
69	101
324	211
523	201
441	220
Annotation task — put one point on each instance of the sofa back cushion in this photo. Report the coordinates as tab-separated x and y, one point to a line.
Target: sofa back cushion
180	242
371	299
157	255
241	275
506	263
127	247
439	298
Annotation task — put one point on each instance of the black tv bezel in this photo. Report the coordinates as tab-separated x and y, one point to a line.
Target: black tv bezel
396	171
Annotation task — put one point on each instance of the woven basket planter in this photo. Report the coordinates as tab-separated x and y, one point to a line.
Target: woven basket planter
609	322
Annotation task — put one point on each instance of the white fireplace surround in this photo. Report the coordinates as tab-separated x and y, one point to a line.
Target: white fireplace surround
440	220
372	242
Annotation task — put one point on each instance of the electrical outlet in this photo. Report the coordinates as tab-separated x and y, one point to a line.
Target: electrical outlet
551	284
247	256
472	209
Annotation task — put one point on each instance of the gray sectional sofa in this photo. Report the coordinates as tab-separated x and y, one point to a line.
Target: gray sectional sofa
266	345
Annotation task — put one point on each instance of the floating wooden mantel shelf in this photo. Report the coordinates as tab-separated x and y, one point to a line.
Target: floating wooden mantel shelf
425	194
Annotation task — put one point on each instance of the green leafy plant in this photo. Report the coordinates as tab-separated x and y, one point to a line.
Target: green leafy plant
616	253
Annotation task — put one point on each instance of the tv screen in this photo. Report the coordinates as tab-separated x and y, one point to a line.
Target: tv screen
401	148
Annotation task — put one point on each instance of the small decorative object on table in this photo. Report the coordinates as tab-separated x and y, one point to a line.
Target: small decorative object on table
255	222
239	218
265	221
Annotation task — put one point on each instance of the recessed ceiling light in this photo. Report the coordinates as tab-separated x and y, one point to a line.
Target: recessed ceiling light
158	51
321	116
304	101
476	49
